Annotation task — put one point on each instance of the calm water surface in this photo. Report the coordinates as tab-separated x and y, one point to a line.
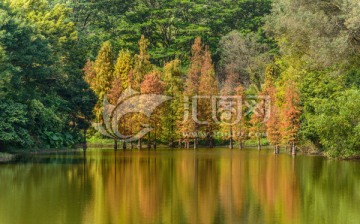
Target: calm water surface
207	186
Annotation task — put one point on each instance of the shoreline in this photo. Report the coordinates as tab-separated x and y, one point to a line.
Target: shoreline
9	156
6	157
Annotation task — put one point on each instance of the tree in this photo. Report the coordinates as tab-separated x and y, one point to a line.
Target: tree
100	77
208	87
245	56
229	108
258	119
319	57
103	68
153	85
291	115
337	122
175	24
189	127
173	81
273	126
42	75
227	118
120	83
13	125
113	96
142	64
241	129
122	69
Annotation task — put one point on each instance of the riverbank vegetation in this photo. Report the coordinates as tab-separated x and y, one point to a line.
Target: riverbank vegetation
61	59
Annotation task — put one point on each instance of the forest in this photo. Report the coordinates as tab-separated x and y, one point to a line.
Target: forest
61	59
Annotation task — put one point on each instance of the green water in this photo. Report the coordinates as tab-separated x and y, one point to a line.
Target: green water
207	186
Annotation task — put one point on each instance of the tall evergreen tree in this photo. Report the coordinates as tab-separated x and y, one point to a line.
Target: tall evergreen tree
173	82
291	115
153	85
103	79
230	108
122	68
208	87
241	129
188	127
142	64
273	126
104	69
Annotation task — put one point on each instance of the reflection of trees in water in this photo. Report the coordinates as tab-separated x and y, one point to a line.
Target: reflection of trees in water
36	191
200	188
180	187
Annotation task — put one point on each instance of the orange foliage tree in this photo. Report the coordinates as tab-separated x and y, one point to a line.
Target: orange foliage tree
291	112
153	85
208	87
257	120
142	66
273	126
241	129
227	116
188	126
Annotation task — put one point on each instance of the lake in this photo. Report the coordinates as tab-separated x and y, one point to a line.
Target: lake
179	186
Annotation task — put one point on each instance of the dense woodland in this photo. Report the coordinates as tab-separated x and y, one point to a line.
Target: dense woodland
59	60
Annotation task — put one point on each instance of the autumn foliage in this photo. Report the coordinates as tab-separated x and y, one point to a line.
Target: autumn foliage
191	116
291	115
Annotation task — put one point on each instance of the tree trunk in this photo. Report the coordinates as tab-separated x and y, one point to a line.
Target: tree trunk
131	145
293	149
195	143
149	142
139	144
115	144
124	145
85	142
172	143
259	144
231	146
155	140
276	149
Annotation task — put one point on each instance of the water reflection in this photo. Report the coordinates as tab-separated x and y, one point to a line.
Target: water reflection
220	186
